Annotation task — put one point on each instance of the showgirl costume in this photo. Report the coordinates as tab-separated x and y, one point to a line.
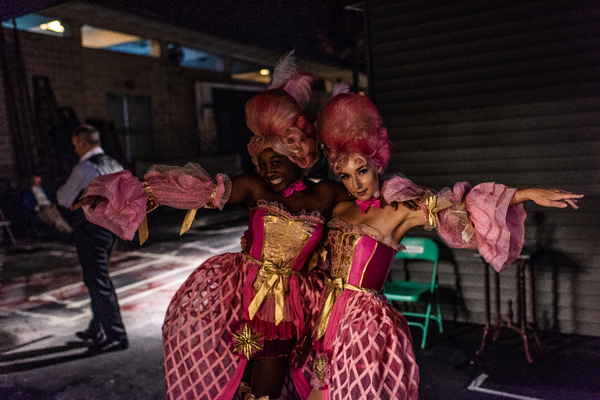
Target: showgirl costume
363	345
234	306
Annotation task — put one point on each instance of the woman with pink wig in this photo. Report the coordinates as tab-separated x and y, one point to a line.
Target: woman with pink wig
240	314
362	345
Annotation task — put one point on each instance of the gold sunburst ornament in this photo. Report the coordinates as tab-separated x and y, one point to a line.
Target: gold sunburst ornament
246	341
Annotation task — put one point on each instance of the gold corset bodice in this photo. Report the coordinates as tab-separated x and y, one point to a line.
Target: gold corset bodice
281	244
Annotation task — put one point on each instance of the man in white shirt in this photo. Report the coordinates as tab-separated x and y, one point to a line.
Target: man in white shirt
94	244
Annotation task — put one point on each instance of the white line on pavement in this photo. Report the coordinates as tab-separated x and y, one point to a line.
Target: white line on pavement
476	387
123	289
156	258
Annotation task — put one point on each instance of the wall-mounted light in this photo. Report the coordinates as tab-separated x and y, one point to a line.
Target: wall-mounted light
264	72
54	26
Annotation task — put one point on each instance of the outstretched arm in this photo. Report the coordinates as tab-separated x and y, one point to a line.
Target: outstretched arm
546	197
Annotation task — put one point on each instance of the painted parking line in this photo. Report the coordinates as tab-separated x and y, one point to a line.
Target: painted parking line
475	386
190	263
213	250
155	259
143	282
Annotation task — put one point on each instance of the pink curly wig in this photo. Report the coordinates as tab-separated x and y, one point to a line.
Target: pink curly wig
277	121
350	125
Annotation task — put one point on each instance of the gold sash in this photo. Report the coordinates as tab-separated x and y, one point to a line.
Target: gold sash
335	287
275	282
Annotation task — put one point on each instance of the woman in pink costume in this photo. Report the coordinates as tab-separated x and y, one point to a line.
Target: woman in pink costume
363	345
244	309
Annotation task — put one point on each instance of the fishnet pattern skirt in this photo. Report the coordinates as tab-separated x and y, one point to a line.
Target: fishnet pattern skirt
199	362
197	337
371	355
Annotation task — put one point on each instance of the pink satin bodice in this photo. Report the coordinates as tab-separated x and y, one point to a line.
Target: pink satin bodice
359	257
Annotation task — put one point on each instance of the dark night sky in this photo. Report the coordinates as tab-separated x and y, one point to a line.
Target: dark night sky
318	29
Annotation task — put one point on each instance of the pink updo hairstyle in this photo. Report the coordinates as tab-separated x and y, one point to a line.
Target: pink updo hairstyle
350	125
276	117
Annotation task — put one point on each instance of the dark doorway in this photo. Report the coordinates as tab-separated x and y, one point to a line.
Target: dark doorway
132	116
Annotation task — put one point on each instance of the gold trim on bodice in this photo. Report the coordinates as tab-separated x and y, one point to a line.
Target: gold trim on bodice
284	239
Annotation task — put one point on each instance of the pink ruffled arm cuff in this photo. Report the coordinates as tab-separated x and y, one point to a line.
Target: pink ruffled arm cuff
188	187
126	206
485	221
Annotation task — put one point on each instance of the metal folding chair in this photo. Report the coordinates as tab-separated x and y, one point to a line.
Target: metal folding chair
5	226
410	291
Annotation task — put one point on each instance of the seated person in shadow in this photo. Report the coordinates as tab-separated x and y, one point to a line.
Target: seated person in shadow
41	209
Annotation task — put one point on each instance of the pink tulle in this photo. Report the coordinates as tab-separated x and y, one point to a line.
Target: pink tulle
499	226
126	206
401	189
188	187
485	221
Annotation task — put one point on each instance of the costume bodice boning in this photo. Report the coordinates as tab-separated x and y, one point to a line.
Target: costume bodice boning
280	238
358	256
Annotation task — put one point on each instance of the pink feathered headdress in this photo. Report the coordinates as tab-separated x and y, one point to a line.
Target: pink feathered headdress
276	117
349	124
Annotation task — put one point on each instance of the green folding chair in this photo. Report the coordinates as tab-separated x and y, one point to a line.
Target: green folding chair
416	291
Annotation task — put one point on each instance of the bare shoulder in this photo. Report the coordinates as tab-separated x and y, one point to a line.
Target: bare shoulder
332	187
247	180
343	207
247	187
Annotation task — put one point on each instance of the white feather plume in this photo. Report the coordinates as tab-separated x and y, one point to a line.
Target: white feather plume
340	87
300	87
285	68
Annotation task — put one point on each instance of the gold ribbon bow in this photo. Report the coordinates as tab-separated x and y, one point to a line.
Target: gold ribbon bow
334	288
274	283
433	208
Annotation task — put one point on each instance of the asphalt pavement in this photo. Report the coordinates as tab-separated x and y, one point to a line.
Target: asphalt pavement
43	303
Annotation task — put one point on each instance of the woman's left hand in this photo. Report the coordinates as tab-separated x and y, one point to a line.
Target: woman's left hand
551	197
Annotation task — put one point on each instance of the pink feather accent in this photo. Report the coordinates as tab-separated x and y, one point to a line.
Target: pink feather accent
300	87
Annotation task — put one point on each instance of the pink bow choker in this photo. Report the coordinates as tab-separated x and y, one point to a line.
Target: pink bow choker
297	186
365	204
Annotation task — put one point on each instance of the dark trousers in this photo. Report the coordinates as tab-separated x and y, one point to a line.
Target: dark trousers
94	247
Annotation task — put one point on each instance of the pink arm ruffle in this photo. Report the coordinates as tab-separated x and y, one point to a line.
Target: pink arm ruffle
126	206
401	189
485	221
188	187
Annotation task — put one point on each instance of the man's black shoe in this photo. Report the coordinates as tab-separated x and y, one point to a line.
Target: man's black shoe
105	345
88	336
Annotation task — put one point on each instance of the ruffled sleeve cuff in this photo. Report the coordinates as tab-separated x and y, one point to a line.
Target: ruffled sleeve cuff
485	220
188	187
126	206
499	226
221	190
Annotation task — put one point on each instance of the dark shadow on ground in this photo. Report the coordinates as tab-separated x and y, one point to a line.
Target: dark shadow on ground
21	361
